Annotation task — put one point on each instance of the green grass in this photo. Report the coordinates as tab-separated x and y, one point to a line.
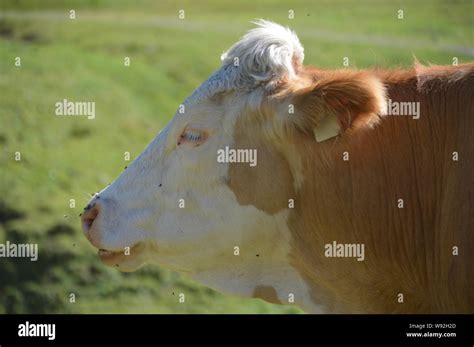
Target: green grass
69	158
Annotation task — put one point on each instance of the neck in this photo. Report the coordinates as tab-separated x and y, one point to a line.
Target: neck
262	269
277	283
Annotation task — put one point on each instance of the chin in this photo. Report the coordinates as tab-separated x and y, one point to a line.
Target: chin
120	261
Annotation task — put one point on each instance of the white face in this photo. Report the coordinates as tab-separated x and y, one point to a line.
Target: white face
173	199
173	206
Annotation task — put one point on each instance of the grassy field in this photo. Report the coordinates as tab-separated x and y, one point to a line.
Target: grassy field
64	158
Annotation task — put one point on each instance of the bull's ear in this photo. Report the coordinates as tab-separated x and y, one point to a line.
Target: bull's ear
338	101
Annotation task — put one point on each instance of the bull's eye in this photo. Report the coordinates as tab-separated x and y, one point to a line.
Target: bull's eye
193	137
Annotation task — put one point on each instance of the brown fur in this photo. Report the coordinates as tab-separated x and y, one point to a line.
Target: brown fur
253	185
353	97
409	250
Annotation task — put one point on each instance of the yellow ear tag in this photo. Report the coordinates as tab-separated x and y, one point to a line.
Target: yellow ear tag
328	128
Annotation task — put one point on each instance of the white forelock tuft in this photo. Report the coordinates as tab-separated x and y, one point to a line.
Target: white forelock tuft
265	54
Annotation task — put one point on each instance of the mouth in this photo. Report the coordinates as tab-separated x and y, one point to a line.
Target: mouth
112	256
105	254
126	260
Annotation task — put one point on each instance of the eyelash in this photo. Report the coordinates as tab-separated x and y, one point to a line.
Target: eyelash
191	136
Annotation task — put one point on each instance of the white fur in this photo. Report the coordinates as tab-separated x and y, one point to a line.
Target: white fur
265	55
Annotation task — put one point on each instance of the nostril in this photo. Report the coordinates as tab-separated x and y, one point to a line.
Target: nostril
90	214
88	223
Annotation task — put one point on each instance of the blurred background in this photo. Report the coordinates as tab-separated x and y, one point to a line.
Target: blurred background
82	59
